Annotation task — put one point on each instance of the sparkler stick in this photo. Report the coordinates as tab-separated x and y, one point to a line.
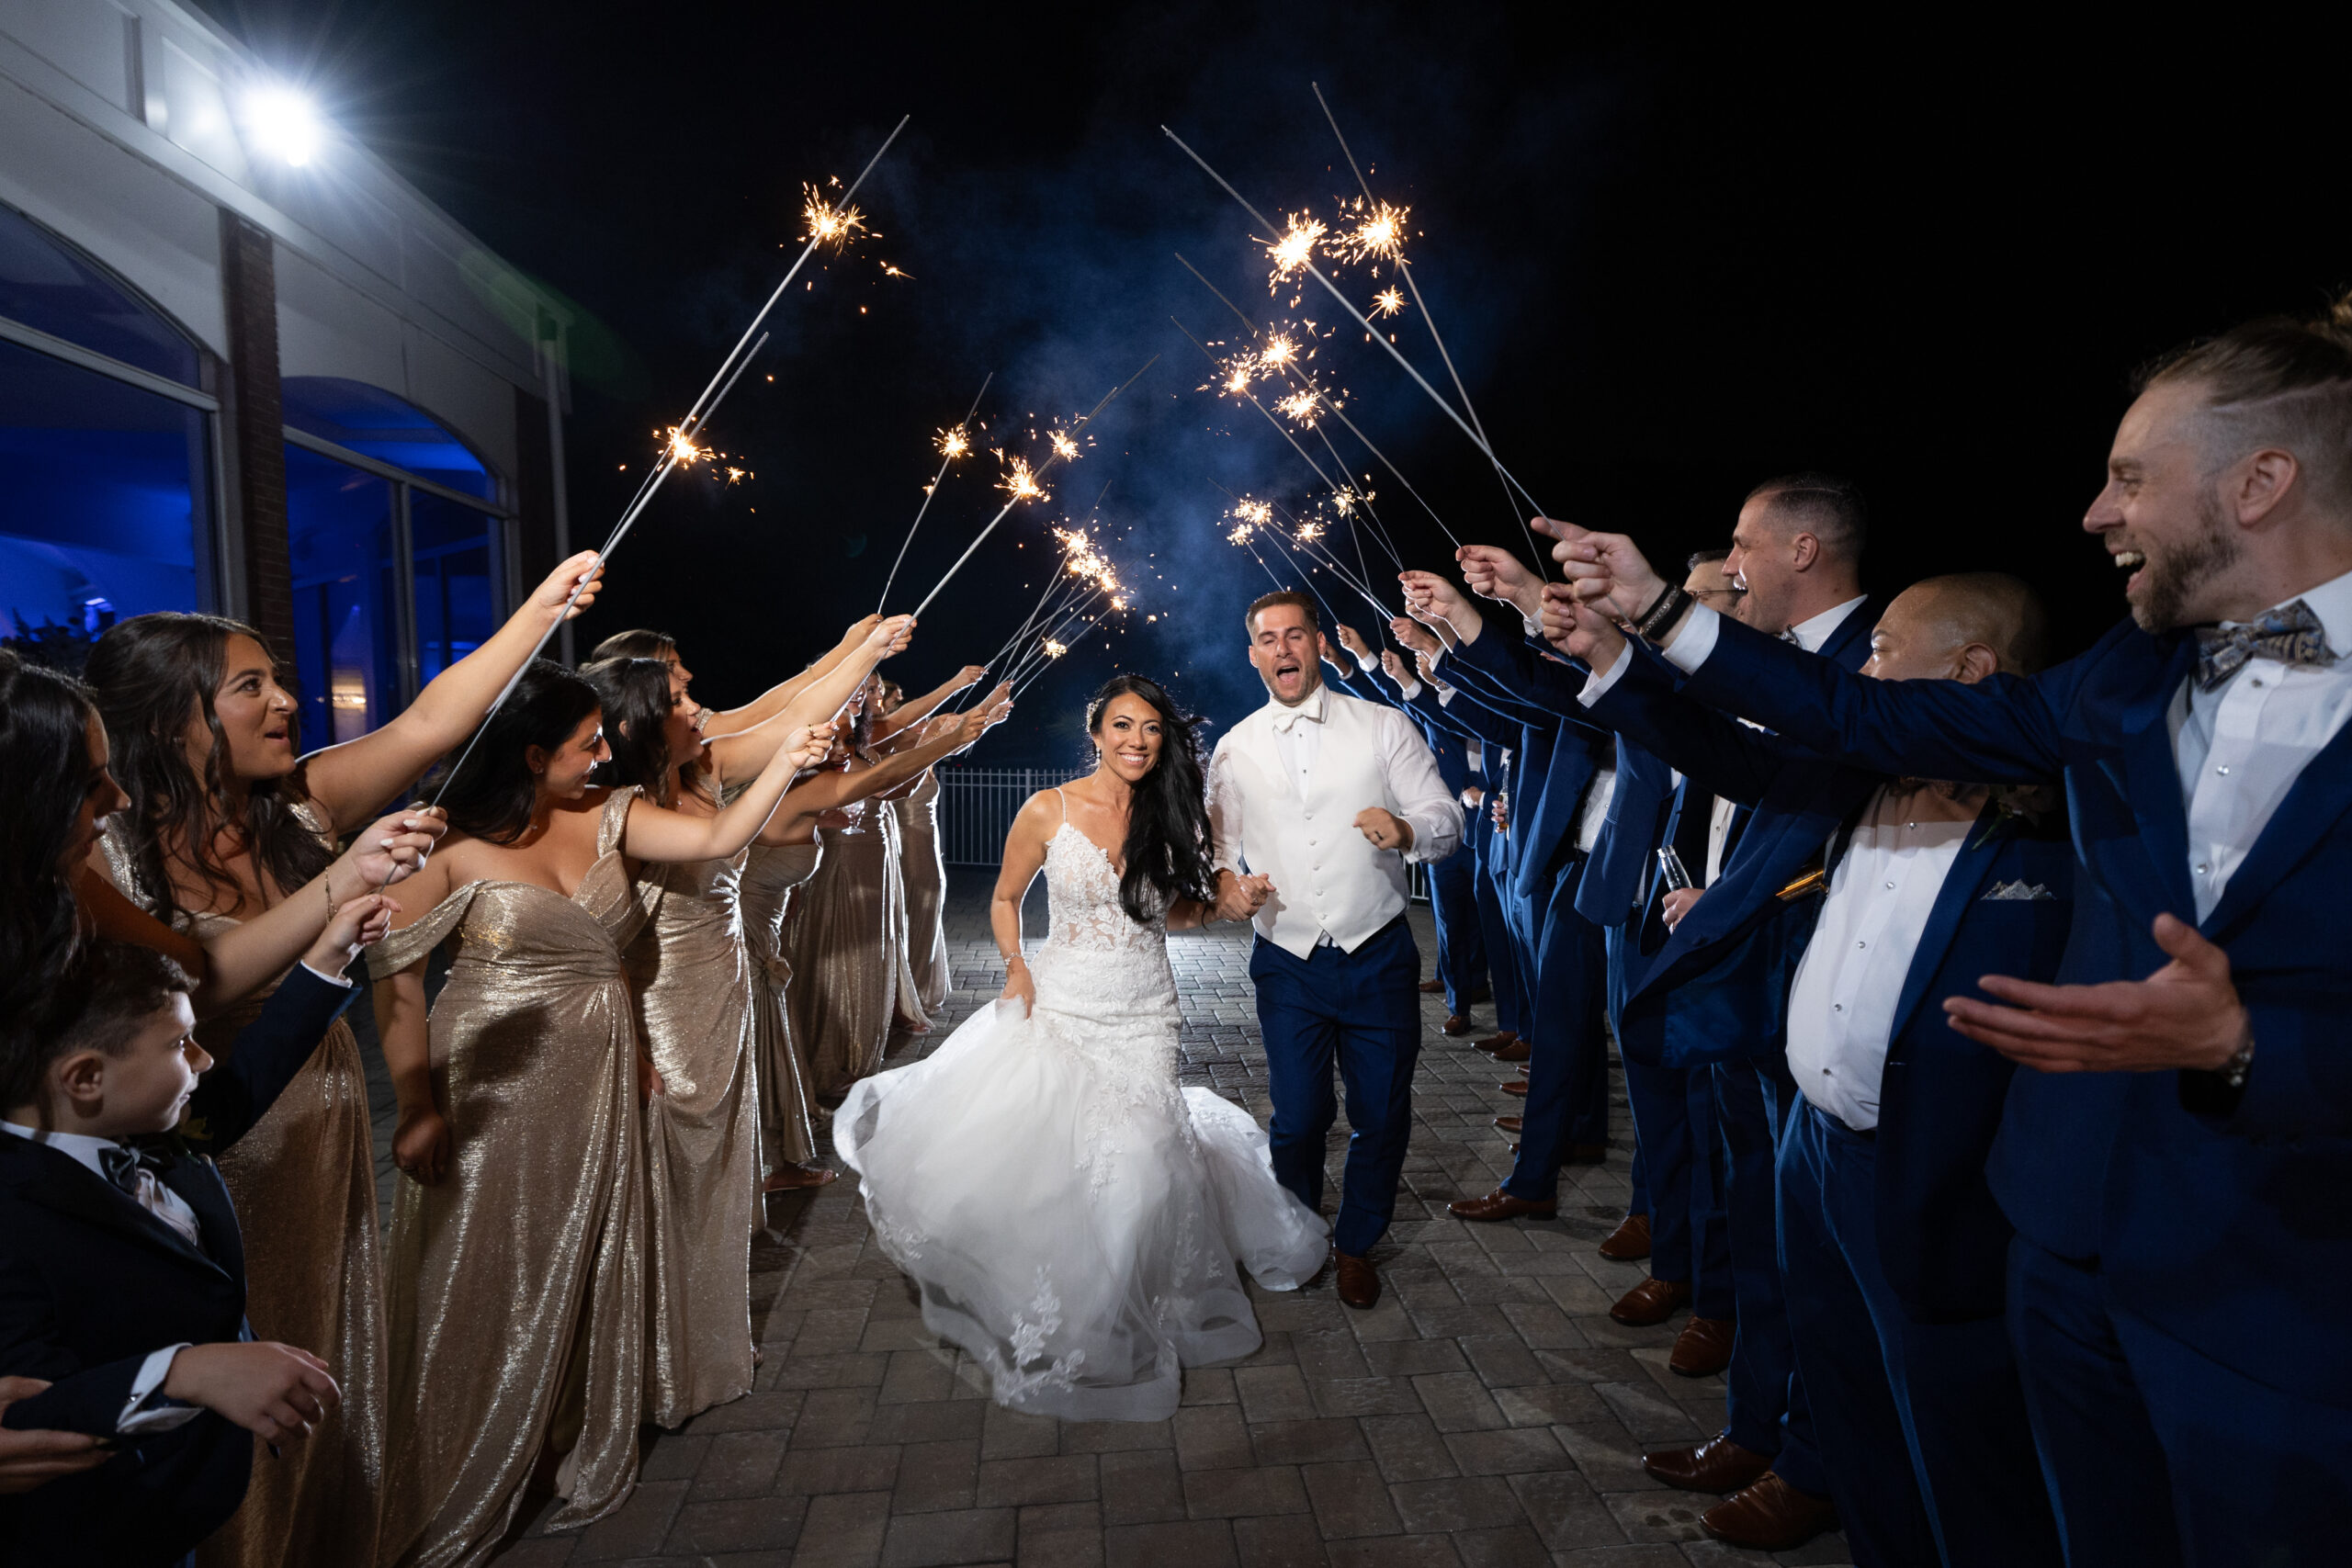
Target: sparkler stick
1042	470
1360	318
952	445
722	381
1430	322
1337	413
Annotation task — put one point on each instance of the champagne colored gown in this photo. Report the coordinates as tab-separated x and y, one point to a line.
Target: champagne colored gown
847	946
694	984
303	1180
517	1299
926	882
786	1111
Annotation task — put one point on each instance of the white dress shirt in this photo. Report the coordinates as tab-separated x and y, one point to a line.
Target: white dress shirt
2242	745
1595	814
1841	1005
167	1206
1281	801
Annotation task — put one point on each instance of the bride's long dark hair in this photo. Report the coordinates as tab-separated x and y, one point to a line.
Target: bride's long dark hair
1168	847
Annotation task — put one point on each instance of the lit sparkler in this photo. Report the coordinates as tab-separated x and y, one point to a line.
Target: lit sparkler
828	225
1300	406
1296	248
1388	301
1064	448
953	443
1379	232
1019	482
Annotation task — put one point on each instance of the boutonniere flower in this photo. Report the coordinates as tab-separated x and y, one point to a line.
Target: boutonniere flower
2031	804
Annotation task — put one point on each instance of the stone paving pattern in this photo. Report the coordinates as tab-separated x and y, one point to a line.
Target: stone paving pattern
1488	1412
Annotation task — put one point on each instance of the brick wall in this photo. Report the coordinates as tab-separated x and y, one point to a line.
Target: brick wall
255	437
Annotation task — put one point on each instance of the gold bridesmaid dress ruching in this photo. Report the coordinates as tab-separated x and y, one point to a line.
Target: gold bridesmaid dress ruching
303	1182
517	1303
847	946
694	985
787	1115
925	875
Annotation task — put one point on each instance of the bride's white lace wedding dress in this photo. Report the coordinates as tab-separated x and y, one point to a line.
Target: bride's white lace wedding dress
1071	1215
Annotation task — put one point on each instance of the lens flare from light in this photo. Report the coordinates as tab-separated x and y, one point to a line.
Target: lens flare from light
283	123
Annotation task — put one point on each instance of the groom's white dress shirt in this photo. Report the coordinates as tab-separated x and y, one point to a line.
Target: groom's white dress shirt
1286	787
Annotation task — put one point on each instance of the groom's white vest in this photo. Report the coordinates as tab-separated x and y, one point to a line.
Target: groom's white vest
1326	876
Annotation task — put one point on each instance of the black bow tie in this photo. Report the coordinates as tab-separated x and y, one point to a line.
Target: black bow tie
122	1166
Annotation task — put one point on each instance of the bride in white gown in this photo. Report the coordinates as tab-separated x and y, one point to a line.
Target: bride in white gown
1073	1217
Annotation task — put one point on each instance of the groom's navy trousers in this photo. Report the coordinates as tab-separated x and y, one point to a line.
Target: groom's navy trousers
1364	1008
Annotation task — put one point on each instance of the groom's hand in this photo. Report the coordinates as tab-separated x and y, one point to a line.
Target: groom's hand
1239	898
1385	829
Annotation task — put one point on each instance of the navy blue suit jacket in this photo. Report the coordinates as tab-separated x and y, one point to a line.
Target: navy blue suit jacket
1942	1238
2221	1219
1564	748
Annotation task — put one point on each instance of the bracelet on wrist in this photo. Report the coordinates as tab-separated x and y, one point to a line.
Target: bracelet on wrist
1661	613
2241	1062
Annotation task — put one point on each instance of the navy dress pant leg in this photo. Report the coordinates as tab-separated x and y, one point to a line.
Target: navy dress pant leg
1828	1179
1494	932
1361	1009
1568	1062
1461	945
2107	1473
1764	1399
1674	1129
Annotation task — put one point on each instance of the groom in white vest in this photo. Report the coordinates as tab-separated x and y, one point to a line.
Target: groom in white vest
1325	798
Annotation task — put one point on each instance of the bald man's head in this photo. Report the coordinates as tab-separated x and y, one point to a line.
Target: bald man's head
1961	627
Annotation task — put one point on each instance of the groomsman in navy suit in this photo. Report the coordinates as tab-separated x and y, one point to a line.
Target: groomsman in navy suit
1893	1252
2176	1158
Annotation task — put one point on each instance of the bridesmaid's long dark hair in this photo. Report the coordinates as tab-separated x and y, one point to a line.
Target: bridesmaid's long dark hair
490	796
1168	847
44	773
638	704
152	674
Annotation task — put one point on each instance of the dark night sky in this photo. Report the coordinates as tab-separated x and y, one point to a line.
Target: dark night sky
1669	264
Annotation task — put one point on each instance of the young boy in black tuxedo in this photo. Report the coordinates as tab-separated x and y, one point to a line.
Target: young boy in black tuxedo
123	1272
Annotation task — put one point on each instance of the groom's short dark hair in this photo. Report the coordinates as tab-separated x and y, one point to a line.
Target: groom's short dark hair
1282	596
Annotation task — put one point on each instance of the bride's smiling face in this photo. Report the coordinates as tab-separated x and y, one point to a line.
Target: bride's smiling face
1129	733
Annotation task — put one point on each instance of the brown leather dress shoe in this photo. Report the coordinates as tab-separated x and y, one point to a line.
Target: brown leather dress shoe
1496	1042
1517	1050
1630	1242
1770	1515
1501	1205
1508	1123
1716	1465
1357	1284
1431	988
1703	1348
1517	1087
1458	1026
1651	1302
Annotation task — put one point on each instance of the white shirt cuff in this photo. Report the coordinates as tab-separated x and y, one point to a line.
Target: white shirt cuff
1688	648
342	980
1411	689
1598	684
153	1372
1368	662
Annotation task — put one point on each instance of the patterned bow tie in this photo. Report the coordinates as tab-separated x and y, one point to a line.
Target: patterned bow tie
122	1166
2292	634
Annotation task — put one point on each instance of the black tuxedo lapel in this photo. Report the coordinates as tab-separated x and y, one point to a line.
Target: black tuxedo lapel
197	1182
61	1182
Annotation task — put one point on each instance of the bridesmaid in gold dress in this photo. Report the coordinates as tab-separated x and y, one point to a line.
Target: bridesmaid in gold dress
784	858
517	1249
692	975
922	871
226	824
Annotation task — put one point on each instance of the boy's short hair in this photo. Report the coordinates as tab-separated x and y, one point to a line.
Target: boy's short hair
110	989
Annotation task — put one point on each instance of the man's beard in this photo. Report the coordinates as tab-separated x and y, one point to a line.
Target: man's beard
2174	575
1314	674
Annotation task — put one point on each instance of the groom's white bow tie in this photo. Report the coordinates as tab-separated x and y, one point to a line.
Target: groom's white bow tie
1289	718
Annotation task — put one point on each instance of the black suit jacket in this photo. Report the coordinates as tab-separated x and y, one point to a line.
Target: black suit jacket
91	1283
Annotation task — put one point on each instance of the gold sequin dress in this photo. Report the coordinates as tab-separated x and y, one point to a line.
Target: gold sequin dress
926	882
518	1288
847	946
303	1180
694	980
786	1112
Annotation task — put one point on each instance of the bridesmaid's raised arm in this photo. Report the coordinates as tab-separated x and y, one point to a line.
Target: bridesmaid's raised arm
655	833
352	780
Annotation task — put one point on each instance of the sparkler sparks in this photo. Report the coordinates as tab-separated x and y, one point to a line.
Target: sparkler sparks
828	224
1280	350
1379	232
1064	448
1056	650
1019	482
953	443
1300	406
1295	249
1388	301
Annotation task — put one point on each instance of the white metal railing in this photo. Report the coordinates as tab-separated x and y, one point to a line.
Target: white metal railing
976	807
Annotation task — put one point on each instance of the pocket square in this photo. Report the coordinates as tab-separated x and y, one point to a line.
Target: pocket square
2007	891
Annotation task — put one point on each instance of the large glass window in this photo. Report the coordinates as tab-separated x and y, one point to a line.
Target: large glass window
457	552
340	528
374	423
104	503
49	288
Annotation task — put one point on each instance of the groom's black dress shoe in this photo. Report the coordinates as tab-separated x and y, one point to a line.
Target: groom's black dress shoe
1359	1286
